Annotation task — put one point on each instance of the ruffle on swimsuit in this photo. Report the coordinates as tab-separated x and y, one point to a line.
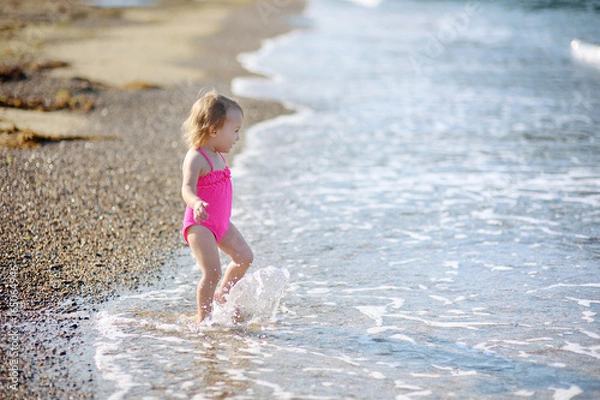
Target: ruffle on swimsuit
214	178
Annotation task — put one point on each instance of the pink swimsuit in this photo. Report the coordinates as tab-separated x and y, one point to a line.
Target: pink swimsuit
215	189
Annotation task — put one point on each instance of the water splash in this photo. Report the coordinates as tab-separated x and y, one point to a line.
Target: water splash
255	298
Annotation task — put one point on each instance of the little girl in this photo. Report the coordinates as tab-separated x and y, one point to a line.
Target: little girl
211	129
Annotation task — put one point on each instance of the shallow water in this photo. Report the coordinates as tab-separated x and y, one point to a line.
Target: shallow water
435	201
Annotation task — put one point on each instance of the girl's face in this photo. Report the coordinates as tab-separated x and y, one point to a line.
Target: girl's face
229	133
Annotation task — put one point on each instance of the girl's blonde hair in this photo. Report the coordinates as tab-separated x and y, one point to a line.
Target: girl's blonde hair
208	113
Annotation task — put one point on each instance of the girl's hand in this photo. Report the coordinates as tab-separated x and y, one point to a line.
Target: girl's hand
200	213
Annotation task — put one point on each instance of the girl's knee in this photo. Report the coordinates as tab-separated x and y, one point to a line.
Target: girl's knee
249	257
245	257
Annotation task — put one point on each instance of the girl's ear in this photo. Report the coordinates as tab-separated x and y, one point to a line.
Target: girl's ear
212	131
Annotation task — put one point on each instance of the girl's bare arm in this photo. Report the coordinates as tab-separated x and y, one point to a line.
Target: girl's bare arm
194	165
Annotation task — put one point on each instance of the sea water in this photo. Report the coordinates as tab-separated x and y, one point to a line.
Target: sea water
431	213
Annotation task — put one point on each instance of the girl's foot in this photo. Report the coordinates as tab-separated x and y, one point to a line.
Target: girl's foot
220	296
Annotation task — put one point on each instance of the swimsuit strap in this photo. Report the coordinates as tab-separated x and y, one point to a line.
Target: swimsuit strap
212	168
223	157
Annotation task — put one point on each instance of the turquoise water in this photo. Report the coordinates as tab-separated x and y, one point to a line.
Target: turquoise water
435	200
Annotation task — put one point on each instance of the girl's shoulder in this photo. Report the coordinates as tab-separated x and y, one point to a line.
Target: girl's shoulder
196	161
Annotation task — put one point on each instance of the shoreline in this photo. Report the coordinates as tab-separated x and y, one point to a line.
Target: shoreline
83	220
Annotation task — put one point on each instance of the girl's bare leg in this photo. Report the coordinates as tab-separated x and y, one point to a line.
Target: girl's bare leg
204	247
234	245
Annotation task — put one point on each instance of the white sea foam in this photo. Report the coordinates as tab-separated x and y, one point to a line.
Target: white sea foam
375	289
367	3
566	394
399	336
374	312
251	61
592	351
440	324
107	350
524	393
586	51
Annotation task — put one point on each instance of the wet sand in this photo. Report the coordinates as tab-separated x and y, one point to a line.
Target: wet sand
87	218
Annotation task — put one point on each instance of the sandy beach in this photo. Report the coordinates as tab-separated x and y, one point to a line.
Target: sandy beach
91	102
